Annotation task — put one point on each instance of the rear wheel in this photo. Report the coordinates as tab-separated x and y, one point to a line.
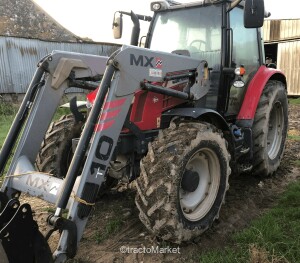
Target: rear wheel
270	128
183	181
56	152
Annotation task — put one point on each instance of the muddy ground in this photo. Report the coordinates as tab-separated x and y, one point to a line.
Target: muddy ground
114	221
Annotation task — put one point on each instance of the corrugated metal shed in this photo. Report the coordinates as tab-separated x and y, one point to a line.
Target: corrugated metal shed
278	30
288	62
19	57
285	36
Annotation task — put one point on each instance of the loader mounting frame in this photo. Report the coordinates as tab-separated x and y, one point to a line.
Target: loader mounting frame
98	140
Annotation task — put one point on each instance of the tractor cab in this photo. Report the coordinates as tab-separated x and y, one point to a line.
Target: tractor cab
224	34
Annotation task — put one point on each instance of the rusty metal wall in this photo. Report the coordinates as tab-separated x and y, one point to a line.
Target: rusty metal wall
288	61
19	57
277	30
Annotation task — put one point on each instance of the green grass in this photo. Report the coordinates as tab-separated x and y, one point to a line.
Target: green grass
275	235
294	137
111	228
59	112
227	255
294	101
7	108
5	123
7	114
296	163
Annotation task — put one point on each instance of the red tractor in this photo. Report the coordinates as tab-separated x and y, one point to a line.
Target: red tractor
178	117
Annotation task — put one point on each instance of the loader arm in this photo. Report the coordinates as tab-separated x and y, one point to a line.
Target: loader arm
127	71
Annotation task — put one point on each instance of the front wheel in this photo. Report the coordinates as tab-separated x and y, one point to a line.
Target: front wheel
270	128
183	181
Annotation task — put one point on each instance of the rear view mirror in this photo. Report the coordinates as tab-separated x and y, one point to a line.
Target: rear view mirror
117	26
254	13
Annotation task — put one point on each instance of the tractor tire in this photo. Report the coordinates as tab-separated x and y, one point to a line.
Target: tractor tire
270	129
183	181
56	153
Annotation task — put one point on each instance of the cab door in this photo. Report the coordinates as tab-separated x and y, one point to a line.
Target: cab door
246	43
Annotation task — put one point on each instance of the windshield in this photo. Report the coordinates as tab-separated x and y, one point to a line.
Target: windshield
196	30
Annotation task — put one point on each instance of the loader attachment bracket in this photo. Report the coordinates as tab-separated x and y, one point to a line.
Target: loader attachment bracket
63	70
20	236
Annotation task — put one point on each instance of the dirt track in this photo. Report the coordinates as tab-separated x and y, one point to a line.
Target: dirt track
247	198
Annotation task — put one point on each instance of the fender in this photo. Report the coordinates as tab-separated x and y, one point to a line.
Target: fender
207	115
246	115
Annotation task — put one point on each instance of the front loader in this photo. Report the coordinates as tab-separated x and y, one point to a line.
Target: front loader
177	117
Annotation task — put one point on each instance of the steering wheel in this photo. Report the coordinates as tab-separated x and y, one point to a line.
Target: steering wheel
198	43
